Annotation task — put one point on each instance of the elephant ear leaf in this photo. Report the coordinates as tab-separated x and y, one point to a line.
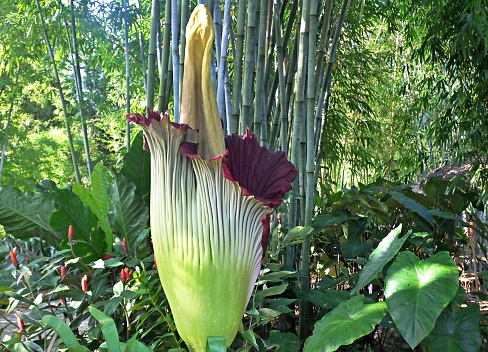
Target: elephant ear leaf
25	215
344	324
456	332
419	290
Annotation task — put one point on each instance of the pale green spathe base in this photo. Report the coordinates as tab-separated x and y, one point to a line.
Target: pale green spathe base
206	237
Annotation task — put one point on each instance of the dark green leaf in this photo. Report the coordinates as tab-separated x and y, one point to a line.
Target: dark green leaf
24	215
413	206
285	342
63	331
128	213
456	332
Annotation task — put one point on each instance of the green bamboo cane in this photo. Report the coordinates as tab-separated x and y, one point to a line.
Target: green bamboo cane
7	127
151	59
259	123
325	89
141	49
305	308
79	86
61	94
249	66
222	70
175	24
322	54
184	8
164	80
125	7
238	56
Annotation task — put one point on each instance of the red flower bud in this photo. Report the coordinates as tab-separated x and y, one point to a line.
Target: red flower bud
13	257
280	218
63	271
70	234
124	245
20	323
84	283
125	274
107	256
27	260
155	265
63	300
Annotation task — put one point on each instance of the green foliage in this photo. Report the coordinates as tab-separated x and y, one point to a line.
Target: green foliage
419	290
344	324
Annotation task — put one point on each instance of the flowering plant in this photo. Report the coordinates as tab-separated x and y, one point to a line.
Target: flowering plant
210	202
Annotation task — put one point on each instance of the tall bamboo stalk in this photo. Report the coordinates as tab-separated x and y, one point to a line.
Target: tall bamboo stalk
79	89
299	151
184	9
221	99
7	127
259	123
323	99
175	24
141	49
164	80
249	65
125	7
238	55
61	94
151	59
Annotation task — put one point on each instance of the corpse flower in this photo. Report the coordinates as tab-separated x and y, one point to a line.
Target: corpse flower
210	202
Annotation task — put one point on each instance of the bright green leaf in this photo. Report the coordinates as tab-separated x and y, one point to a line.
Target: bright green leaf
109	330
343	325
385	252
420	291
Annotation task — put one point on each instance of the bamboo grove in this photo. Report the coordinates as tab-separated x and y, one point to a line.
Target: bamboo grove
278	71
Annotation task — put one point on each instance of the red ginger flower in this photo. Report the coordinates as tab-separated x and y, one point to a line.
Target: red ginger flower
125	274
124	245
84	283
70	234
13	257
27	260
107	256
20	323
63	271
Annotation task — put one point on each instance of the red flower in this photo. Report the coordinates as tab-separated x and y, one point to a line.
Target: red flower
84	283
13	257
63	300
125	274
107	256
155	265
63	271
124	245
20	323
70	234
27	260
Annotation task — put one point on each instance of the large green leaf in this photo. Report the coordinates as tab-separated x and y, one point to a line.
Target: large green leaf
343	325
109	330
89	240
456	332
128	213
64	332
416	292
413	206
98	199
385	252
25	215
137	167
